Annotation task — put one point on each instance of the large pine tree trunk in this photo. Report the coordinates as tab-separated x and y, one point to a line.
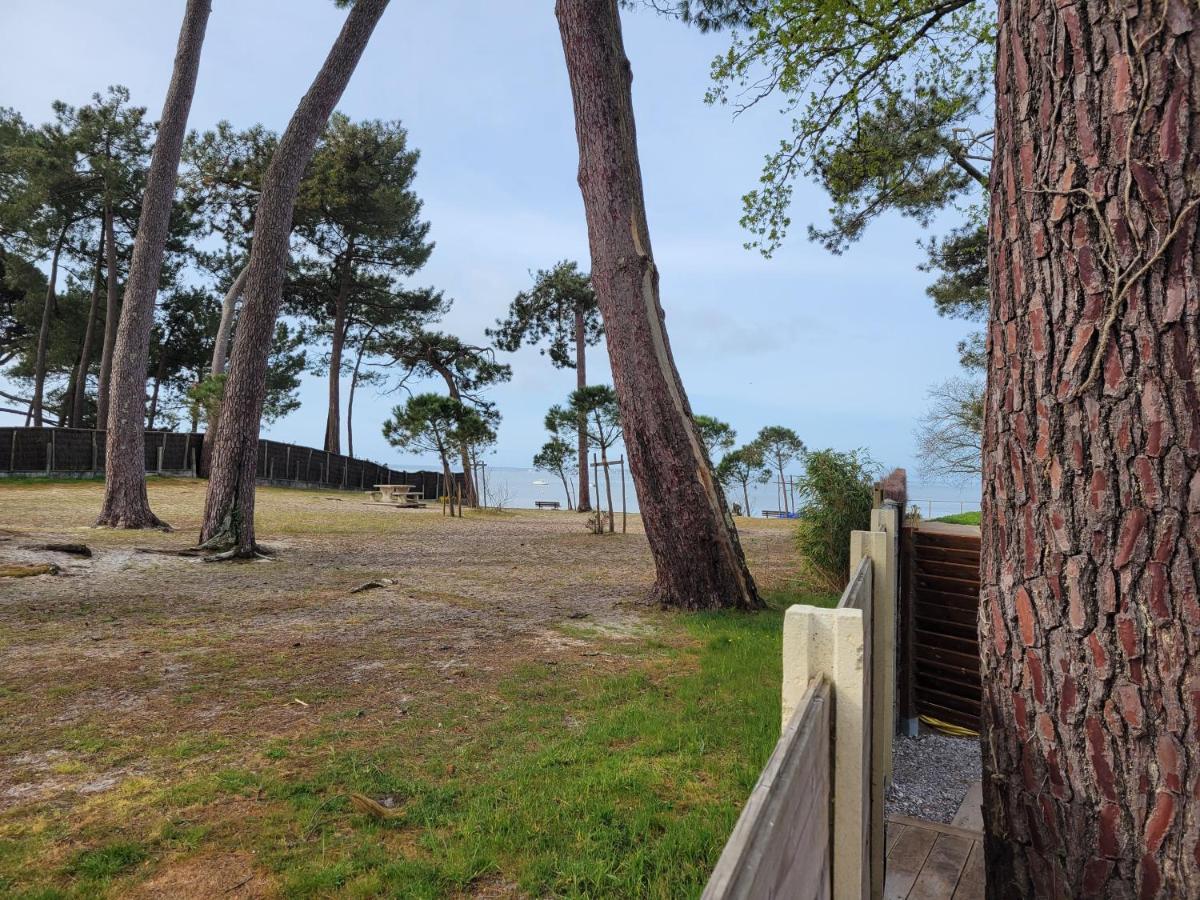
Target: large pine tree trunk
43	344
229	504
585	499
79	388
697	554
112	311
126	504
1090	620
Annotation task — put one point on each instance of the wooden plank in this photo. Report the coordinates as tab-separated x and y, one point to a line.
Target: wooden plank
965	569
939	876
946	540
970	811
892	832
971	882
940	827
963	618
939	671
937	692
968	645
967	602
967	587
949	554
780	844
969	661
905	861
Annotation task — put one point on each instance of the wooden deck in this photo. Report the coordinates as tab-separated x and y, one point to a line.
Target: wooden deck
931	861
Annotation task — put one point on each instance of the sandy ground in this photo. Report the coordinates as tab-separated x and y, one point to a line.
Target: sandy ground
129	648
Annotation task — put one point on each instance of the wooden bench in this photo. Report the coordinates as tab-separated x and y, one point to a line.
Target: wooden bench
547	504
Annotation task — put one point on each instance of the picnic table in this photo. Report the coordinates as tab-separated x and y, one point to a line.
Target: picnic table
404	494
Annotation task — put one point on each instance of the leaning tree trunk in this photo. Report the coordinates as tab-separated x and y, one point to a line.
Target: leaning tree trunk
229	504
463	450
585	500
1090	616
696	550
225	328
79	392
43	344
112	310
126	504
219	358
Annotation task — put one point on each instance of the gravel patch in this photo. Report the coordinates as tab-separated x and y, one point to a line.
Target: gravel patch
931	774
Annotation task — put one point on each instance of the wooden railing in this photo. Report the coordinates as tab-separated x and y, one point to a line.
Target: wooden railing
780	845
788	842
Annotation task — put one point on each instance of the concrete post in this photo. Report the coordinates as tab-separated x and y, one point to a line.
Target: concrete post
834	643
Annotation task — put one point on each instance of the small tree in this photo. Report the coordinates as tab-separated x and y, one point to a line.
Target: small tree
836	499
715	435
561	310
466	369
780	447
432	423
741	468
596	406
558	456
950	434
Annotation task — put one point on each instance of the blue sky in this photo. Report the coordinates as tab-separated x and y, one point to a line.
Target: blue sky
840	348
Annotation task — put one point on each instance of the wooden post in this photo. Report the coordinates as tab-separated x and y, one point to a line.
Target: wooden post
458	496
623	495
599	505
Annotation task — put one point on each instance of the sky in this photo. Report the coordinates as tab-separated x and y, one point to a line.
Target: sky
840	348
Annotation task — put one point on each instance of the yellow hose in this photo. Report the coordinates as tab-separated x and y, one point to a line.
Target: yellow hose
947	728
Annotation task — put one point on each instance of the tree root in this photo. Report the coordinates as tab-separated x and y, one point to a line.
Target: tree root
255	552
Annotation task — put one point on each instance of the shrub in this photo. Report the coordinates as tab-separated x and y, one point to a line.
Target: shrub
835	492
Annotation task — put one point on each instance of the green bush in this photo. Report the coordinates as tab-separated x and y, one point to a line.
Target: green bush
836	499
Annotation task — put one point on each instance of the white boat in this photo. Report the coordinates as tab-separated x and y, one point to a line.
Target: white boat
540	483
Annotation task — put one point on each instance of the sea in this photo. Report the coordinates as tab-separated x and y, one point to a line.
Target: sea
519	488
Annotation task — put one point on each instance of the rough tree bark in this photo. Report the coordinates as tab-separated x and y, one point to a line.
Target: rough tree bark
112	311
126	504
585	498
229	503
219	358
79	383
43	344
697	554
225	328
1090	617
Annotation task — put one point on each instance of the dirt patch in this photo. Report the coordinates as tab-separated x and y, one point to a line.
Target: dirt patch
132	682
208	875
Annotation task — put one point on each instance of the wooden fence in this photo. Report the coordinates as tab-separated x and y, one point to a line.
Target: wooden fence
813	826
80	451
939	609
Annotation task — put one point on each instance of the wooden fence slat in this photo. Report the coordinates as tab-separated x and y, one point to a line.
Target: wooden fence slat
780	844
948	540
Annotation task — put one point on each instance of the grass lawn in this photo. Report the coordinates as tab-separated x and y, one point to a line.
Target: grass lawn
966	518
533	729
